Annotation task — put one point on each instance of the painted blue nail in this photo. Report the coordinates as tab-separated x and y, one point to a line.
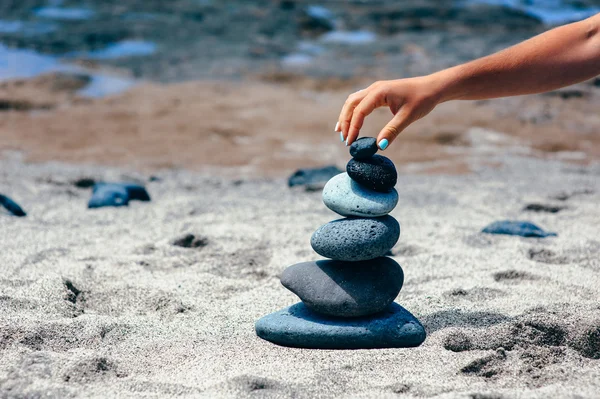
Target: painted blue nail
383	144
342	137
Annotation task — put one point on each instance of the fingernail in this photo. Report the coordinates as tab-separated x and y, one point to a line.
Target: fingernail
346	142
383	144
337	127
341	137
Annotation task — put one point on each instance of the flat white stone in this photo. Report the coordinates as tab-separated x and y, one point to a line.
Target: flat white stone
346	197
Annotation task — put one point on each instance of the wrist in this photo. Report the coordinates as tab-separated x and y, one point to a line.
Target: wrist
446	84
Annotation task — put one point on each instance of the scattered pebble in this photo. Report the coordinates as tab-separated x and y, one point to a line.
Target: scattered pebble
108	195
516	228
313	176
117	194
12	206
544	208
190	241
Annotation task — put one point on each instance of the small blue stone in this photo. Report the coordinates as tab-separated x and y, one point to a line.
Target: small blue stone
517	228
12	206
108	194
299	327
117	194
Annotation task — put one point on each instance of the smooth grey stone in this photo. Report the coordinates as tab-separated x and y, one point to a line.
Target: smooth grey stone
344	196
345	289
363	148
377	173
299	327
355	239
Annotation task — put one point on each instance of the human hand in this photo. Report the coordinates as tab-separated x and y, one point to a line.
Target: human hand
408	99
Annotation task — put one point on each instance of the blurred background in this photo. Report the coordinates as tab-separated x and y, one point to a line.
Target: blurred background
255	87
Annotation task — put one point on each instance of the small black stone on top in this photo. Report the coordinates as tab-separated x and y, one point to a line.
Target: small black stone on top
377	173
363	148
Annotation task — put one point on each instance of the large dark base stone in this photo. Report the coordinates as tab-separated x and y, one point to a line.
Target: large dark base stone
299	327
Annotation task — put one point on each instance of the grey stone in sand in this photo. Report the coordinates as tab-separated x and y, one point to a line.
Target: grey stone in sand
363	148
348	198
356	239
377	173
345	289
298	326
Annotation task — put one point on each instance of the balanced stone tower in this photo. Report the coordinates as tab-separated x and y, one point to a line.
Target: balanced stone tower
348	301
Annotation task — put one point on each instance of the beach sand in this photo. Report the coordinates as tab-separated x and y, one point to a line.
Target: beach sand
272	126
99	303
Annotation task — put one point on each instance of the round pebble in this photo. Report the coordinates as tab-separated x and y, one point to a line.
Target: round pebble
345	289
344	196
377	173
363	148
297	326
356	239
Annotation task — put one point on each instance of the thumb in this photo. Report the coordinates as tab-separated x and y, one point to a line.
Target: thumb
388	134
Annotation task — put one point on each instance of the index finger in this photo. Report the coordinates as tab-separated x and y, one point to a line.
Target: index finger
362	110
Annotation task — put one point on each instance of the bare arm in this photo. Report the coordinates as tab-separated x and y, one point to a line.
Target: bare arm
560	57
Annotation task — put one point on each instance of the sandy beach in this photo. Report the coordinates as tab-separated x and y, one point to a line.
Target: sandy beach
99	303
212	105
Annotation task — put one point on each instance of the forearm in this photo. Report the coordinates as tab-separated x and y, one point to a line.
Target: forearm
554	59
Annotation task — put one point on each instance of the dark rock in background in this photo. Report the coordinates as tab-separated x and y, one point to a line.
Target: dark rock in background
517	228
11	206
313	178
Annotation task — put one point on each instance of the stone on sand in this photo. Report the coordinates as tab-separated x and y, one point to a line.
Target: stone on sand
298	326
348	198
377	173
345	289
108	195
117	194
364	147
313	177
517	228
12	206
356	239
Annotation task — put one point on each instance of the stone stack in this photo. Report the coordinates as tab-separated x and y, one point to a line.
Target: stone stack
348	300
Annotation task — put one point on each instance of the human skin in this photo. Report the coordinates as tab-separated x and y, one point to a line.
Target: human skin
559	57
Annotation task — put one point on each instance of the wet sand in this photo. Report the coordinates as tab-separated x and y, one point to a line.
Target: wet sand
280	123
